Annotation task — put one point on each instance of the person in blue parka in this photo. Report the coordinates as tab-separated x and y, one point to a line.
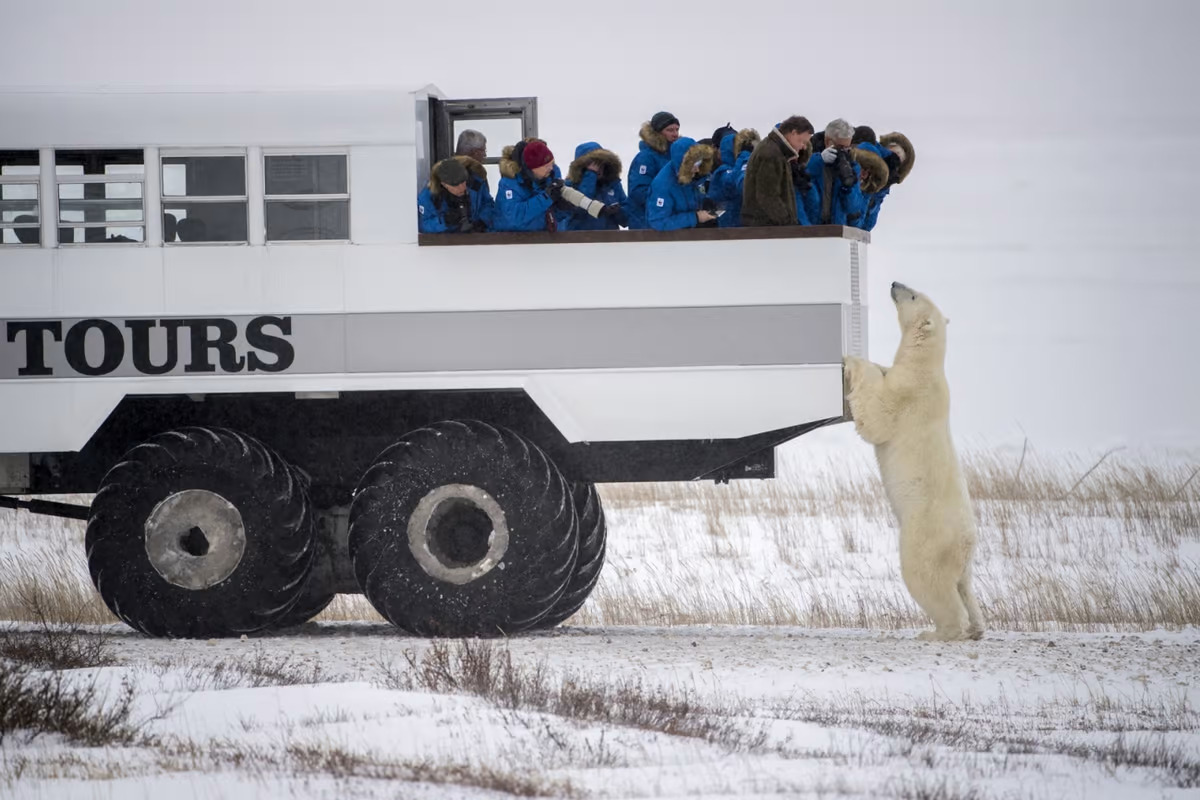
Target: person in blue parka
874	179
654	153
725	186
835	177
529	196
897	152
456	199
596	172
675	201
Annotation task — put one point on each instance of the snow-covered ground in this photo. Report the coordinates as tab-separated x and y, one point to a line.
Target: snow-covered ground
812	685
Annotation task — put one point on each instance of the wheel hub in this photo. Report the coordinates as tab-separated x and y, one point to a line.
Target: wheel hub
195	538
458	533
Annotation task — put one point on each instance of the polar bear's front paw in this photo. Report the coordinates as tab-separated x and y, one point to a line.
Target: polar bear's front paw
942	635
852	369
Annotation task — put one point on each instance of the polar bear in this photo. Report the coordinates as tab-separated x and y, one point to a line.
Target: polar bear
904	411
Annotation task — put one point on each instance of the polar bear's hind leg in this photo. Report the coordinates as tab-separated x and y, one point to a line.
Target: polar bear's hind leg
974	616
938	596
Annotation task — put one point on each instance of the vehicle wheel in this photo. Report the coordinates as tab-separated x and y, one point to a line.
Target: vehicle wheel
312	601
593	534
200	533
463	529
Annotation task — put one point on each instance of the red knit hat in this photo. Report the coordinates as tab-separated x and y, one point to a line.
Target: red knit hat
537	154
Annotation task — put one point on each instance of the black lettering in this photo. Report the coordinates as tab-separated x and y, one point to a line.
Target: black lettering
222	343
35	344
75	347
277	346
140	345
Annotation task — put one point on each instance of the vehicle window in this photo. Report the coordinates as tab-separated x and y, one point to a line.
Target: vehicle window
203	198
20	211
307	197
100	199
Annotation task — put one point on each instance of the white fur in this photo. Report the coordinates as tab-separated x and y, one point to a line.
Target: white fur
904	411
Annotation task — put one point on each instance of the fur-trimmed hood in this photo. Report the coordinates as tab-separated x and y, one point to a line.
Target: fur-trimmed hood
510	167
435	178
746	139
910	155
610	163
654	139
874	170
685	153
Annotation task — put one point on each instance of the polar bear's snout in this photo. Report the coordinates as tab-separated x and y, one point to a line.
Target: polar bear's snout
899	290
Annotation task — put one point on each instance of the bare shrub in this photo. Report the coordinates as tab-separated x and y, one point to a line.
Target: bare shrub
59	642
479	668
39	704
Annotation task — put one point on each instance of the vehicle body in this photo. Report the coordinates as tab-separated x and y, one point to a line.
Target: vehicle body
314	320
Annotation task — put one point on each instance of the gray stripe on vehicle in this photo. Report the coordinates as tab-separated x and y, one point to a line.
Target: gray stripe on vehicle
628	338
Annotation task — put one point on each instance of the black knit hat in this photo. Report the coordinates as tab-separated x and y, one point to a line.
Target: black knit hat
451	172
662	119
721	132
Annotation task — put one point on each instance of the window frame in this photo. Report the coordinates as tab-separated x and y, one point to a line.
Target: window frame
84	178
25	180
268	152
202	152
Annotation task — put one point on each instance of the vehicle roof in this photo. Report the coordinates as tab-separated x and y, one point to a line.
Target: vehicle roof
217	117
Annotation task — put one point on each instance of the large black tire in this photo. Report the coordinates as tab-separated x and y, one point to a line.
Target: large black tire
463	529
200	533
313	600
593	534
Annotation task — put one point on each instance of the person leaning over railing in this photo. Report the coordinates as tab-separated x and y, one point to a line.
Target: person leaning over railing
897	153
835	176
769	192
675	200
456	198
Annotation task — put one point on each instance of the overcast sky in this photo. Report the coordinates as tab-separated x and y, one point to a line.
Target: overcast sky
1051	211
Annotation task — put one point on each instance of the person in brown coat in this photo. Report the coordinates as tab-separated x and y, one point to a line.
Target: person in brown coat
769	194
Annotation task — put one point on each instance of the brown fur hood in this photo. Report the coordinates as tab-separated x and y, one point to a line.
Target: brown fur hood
746	139
705	154
473	168
910	155
654	139
509	168
610	166
874	170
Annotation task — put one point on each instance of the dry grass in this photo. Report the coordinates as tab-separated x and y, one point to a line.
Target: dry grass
33	704
481	669
1066	543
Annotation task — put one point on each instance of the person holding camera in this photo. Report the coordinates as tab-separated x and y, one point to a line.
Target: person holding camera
596	173
529	196
769	191
676	201
456	198
654	153
835	176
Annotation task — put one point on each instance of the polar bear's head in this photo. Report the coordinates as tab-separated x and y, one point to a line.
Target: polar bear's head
921	323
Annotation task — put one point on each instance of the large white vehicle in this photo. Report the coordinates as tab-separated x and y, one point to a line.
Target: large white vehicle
219	317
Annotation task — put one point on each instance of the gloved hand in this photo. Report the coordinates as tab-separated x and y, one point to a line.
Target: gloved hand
466	226
829	154
479	226
893	164
614	212
454	217
845	168
709	205
555	190
800	177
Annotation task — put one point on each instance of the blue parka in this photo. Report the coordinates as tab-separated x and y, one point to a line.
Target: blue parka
847	205
521	200
431	205
654	153
725	186
675	194
605	187
874	199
